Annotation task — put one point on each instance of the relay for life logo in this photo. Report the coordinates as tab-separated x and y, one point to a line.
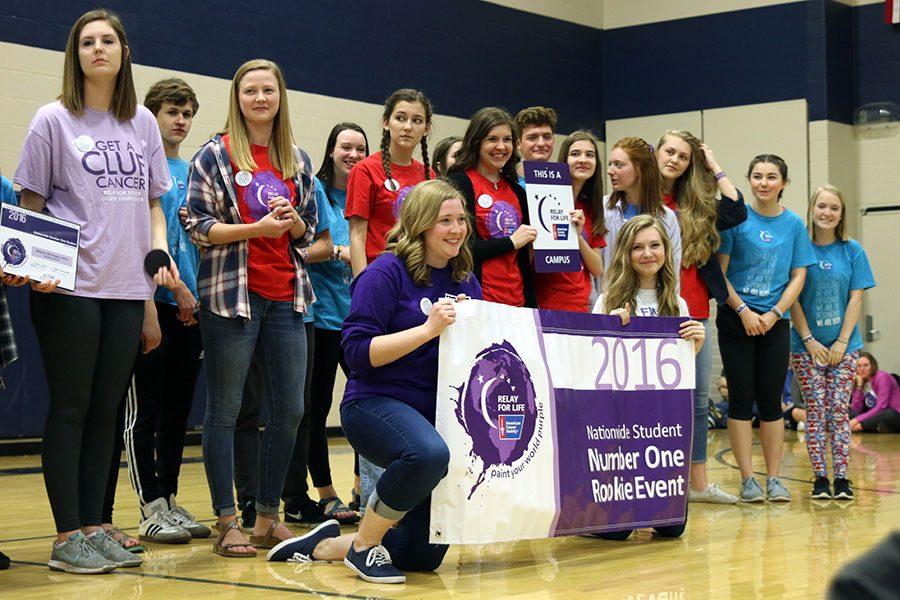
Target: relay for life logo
498	410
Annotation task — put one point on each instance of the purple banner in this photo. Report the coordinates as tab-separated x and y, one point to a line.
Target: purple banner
557	261
29	222
546	172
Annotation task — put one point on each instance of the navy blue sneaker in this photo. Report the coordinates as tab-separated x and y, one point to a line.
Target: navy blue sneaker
300	549
374	565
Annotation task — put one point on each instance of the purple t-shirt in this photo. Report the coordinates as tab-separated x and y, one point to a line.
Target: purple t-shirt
385	300
99	172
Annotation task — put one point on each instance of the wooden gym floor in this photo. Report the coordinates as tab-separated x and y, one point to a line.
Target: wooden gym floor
744	551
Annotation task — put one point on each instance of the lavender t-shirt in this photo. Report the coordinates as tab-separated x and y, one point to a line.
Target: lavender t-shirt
99	172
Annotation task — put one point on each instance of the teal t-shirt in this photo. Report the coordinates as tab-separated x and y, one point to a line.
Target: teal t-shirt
326	219
181	249
840	268
7	192
764	251
331	279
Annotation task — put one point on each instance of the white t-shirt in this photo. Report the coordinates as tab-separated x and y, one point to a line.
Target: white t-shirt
647	305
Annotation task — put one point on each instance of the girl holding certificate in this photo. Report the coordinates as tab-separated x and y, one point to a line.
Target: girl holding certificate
251	207
485	171
691	178
765	260
93	157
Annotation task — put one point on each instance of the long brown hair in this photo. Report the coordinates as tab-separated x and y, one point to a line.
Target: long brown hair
418	214
281	146
640	153
621	280
124	100
592	192
479	126
695	192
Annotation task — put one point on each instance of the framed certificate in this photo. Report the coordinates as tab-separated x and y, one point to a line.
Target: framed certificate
39	246
549	190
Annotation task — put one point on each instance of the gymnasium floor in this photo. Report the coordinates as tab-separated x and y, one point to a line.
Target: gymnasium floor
745	551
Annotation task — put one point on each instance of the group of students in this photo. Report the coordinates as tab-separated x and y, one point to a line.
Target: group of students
360	265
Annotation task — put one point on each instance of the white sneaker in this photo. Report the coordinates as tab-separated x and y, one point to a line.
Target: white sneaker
184	519
158	526
711	494
801	426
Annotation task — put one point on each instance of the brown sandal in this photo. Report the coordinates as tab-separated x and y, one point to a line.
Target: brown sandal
267	541
226	549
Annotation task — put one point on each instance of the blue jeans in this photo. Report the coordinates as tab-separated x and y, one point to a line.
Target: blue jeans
274	339
394	436
703	362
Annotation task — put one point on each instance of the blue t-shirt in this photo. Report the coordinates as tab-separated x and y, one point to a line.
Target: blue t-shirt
181	248
331	278
326	220
841	267
7	192
764	251
630	210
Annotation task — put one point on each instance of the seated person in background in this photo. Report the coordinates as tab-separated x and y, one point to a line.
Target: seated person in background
718	411
794	405
875	402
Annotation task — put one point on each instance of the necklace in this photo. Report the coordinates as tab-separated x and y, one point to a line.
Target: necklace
495	183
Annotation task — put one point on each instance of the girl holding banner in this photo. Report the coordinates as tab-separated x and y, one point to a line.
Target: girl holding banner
825	341
400	305
690	178
635	182
572	290
67	170
765	260
485	171
640	281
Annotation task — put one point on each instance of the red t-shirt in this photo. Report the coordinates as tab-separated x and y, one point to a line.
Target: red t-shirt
498	215
369	198
693	288
270	270
570	290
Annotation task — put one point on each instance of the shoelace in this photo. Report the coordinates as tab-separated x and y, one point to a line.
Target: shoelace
299	558
379	556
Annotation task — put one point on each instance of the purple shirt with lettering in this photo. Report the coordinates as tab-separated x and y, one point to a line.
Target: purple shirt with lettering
100	173
384	299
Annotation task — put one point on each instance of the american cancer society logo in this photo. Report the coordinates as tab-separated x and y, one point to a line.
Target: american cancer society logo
498	409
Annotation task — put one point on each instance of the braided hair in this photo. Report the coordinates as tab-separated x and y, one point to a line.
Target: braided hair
404	95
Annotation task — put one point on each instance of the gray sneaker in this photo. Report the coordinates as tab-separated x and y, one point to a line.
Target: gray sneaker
775	490
750	490
184	519
77	555
113	551
711	494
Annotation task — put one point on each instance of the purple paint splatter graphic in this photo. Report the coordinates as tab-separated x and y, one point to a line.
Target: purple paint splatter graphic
496	407
502	219
265	186
398	203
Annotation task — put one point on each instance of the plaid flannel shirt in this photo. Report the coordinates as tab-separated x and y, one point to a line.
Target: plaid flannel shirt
222	275
8	351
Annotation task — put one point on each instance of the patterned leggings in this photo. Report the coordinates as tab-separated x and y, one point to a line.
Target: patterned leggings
826	391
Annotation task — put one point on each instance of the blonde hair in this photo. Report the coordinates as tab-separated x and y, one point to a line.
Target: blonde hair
419	213
621	280
281	146
839	231
695	192
124	99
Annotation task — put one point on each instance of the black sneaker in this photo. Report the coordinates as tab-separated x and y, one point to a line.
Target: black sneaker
4	561
248	514
374	565
308	513
821	488
842	489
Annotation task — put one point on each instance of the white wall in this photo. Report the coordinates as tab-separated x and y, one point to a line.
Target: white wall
583	12
627	13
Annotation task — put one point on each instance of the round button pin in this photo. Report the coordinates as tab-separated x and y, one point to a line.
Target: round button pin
485	201
243	178
392	184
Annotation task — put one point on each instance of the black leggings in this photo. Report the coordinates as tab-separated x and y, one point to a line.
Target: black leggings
327	357
885	421
755	366
88	347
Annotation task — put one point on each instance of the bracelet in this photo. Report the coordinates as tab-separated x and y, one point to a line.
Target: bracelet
777	311
741	308
720	175
807	339
843	341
